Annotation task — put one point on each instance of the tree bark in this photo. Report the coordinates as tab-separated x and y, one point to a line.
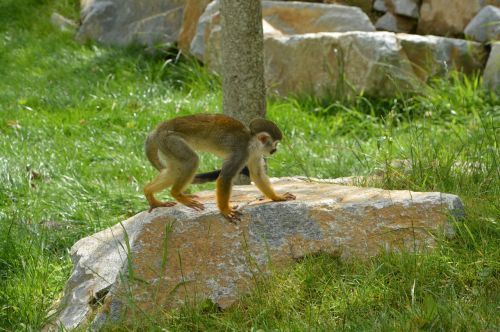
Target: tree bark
242	57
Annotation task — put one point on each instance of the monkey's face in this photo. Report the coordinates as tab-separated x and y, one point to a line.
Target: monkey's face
274	147
268	145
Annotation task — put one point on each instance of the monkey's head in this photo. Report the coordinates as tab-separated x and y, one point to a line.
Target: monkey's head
267	133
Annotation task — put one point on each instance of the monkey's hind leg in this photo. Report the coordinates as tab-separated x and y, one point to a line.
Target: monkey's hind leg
182	181
184	161
162	181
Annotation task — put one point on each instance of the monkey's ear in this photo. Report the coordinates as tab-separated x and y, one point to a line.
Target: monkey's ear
263	137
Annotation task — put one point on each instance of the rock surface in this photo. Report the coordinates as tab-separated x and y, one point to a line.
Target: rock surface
491	78
485	26
342	63
403	7
302	17
123	22
437	56
280	18
179	256
449	17
365	5
337	64
396	23
62	23
208	22
375	63
380	5
192	12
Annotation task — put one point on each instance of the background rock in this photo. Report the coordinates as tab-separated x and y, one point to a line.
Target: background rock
491	77
396	23
208	22
280	17
380	5
122	22
485	26
408	8
337	64
365	5
341	64
449	17
63	23
299	17
437	56
192	12
180	256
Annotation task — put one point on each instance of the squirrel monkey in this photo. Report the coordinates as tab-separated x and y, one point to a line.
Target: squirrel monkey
171	149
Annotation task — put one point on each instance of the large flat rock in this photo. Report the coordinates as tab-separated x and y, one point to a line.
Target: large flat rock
175	256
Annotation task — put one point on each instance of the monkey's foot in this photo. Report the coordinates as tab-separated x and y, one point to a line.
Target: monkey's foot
285	197
232	215
193	204
189	202
192	196
158	204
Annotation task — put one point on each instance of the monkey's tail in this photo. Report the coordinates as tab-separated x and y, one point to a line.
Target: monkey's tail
152	153
206	177
212	176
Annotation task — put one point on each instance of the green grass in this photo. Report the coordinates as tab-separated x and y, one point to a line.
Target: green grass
73	119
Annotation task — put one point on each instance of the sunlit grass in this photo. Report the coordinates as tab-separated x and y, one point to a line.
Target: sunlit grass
73	119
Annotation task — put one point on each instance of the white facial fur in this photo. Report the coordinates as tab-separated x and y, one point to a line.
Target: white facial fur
263	144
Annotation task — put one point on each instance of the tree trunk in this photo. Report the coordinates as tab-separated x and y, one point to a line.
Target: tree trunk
242	55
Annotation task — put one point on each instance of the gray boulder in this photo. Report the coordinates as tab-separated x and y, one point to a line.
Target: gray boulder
396	23
449	17
380	5
62	23
337	64
432	56
207	23
407	8
485	26
491	77
293	18
281	18
342	64
123	22
365	5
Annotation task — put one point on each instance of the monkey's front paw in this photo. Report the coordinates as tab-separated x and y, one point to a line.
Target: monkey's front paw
232	215
161	204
